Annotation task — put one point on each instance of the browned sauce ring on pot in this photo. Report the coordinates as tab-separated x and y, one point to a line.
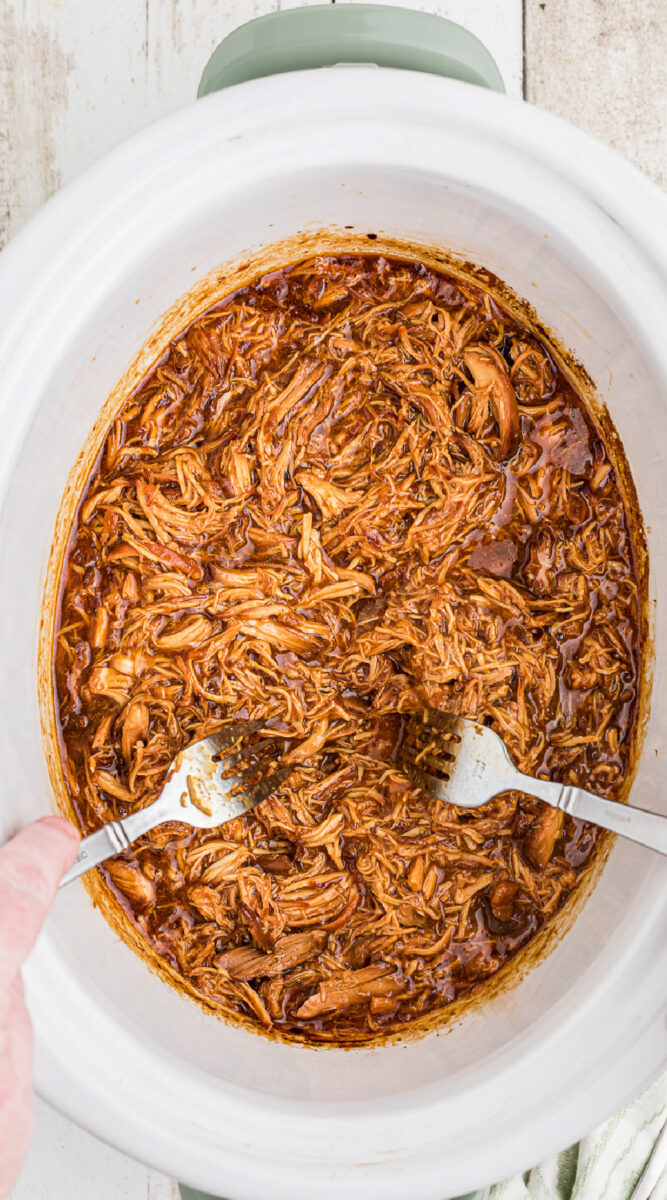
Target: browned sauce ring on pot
354	489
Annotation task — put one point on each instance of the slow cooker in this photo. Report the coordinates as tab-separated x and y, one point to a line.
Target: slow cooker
399	153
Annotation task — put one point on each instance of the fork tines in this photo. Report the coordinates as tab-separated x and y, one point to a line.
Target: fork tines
445	722
245	769
429	748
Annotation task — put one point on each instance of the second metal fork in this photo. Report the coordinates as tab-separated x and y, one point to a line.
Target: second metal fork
215	780
467	764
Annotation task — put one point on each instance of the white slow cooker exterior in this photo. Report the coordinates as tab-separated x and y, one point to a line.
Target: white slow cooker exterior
581	234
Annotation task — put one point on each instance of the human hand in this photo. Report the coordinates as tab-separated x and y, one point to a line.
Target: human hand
31	867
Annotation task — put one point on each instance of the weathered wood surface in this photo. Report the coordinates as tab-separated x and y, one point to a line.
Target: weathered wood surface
602	64
66	1163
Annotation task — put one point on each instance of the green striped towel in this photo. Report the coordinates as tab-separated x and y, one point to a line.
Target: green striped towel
606	1165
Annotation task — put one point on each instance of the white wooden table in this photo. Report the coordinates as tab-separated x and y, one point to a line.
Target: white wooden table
78	76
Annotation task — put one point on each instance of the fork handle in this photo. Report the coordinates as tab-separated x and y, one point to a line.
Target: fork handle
647	828
115	837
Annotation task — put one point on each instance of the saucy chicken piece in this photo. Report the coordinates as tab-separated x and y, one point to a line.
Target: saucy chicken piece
294	948
543	836
128	877
348	989
492	387
502	897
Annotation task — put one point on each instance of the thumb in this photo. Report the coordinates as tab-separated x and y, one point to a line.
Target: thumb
31	866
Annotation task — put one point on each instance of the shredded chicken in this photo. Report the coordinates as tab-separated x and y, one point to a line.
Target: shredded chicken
353	489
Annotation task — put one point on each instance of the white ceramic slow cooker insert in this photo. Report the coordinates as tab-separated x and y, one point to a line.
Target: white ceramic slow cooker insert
581	234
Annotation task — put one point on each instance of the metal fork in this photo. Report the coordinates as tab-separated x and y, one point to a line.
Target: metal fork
215	780
465	763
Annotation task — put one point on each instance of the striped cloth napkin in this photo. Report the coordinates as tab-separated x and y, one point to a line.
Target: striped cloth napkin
606	1165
